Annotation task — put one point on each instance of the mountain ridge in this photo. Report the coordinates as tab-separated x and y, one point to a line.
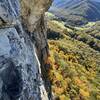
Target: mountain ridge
76	11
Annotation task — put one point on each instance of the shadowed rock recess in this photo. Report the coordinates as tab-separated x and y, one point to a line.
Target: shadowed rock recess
23	41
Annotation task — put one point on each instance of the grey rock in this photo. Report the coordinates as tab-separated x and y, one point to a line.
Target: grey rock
20	72
19	67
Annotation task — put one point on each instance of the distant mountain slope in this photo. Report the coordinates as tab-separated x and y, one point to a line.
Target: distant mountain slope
76	11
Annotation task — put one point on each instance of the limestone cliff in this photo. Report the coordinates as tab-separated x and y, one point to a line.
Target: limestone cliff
33	20
22	42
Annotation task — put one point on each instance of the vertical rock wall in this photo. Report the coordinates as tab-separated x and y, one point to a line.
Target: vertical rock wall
32	14
33	20
22	42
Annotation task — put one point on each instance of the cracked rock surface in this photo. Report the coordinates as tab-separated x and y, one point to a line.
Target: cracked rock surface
22	42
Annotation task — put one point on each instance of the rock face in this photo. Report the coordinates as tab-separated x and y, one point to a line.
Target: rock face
22	42
32	14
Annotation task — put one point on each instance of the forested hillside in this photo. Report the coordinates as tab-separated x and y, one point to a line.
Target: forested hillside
75	60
